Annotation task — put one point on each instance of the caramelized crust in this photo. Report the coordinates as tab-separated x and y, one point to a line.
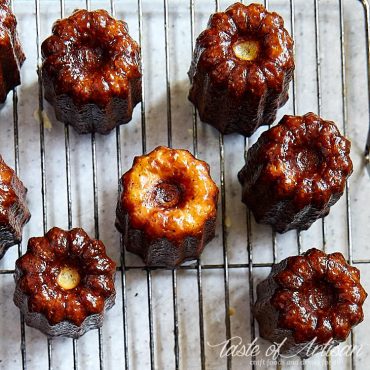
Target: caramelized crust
14	213
295	172
167	207
241	69
91	71
64	283
310	297
11	53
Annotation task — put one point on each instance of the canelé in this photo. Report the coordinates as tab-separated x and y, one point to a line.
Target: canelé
241	69
64	283
91	71
309	302
167	207
11	53
14	213
295	172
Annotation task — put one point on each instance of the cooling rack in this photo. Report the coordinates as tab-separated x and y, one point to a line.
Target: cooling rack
174	319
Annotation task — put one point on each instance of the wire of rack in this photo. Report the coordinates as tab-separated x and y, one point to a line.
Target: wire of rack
198	266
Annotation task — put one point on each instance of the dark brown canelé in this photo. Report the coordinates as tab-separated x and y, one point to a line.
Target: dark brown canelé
14	213
91	71
64	283
167	207
11	53
315	297
241	69
295	172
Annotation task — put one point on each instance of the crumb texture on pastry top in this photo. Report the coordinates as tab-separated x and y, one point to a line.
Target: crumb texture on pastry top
12	56
315	296
296	171
169	193
64	277
14	212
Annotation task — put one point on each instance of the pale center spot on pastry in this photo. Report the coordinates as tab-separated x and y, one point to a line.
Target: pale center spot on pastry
246	49
68	278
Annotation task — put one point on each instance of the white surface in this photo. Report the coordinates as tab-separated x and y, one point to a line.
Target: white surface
156	128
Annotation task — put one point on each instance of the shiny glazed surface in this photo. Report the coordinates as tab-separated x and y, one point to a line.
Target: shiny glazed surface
320	296
246	56
11	53
91	57
296	171
38	270
91	71
168	193
14	213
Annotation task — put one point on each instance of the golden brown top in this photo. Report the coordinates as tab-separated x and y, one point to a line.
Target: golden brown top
319	296
66	276
168	193
91	57
304	158
245	48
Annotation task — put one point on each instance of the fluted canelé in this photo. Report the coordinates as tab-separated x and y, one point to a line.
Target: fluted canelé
313	298
241	69
64	283
91	71
167	207
11	53
295	172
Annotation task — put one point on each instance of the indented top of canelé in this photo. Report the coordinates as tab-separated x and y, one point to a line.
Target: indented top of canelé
66	276
245	49
91	57
168	193
318	296
303	158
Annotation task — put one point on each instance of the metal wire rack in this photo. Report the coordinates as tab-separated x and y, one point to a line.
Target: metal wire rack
224	265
